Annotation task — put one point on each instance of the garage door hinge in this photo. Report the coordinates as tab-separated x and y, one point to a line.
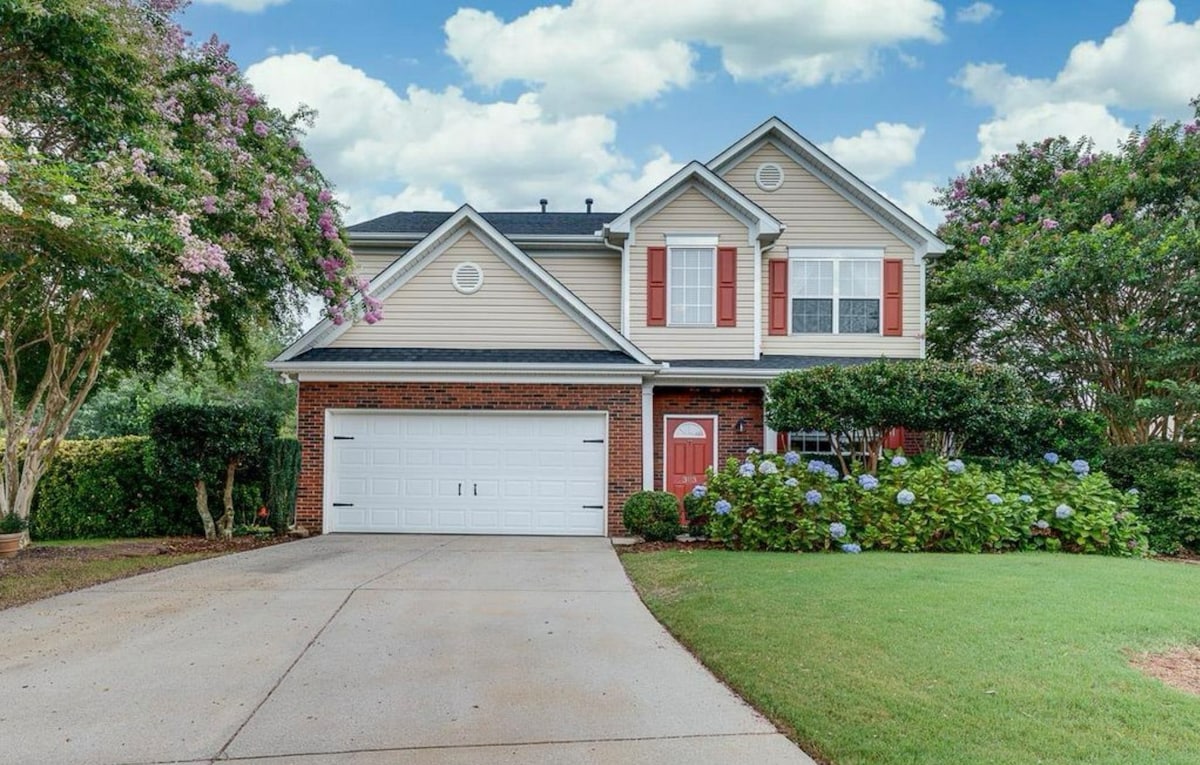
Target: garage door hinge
343	504
593	440
593	507
343	438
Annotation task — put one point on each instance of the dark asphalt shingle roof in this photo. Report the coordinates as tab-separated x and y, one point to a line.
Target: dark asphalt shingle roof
780	362
507	223
464	356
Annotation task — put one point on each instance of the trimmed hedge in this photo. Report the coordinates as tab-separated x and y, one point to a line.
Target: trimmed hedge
110	487
653	515
115	487
1167	477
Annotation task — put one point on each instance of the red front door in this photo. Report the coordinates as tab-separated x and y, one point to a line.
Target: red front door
690	452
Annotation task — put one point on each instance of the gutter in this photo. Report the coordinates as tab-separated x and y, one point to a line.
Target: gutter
292	367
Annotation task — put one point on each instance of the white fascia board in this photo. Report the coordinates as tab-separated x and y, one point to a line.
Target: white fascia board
768	225
851	186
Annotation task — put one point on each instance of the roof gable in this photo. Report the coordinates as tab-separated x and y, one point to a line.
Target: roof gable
467	221
822	166
762	223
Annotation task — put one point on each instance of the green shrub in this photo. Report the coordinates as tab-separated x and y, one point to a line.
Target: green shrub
652	514
782	502
1167	477
108	488
283	475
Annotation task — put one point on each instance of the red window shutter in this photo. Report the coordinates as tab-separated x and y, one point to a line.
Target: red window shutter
777	297
726	286
893	296
656	286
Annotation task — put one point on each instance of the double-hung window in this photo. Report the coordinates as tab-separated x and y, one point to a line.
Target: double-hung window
836	292
691	286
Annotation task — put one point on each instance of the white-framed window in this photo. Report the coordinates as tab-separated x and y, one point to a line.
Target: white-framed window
817	442
837	292
691	286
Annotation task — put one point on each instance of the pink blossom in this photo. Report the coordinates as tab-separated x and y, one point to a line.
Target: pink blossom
1035	199
209	205
995	225
1107	220
1049	224
299	206
325	197
326	225
985	240
974	226
1191	128
261	129
266	205
303	164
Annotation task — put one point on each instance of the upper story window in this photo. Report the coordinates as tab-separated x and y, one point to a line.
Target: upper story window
692	282
691	286
835	291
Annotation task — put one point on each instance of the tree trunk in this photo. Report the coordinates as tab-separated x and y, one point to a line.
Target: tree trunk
226	522
210	529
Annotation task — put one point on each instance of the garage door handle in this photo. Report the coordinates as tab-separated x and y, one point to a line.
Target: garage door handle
593	507
343	504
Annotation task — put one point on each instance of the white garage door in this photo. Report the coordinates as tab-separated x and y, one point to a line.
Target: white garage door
467	473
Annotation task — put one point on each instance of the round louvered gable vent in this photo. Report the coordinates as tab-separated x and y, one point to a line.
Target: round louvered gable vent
467	278
769	176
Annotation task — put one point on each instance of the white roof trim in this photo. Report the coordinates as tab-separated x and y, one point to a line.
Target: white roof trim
768	225
438	240
879	207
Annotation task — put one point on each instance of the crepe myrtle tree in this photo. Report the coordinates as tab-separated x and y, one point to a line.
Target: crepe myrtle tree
151	204
1082	269
197	442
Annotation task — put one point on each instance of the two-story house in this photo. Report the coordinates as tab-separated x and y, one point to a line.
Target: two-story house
534	369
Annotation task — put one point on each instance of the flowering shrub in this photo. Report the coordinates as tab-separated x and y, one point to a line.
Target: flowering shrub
933	505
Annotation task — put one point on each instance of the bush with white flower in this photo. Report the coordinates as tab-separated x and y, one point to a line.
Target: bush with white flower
779	502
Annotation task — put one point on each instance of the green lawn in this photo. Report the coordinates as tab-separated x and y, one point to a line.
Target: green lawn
889	658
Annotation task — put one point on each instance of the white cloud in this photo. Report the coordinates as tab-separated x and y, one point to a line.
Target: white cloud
976	13
914	199
428	149
597	55
244	6
878	152
1151	62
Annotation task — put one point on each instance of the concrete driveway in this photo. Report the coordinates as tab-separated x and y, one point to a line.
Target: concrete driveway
368	649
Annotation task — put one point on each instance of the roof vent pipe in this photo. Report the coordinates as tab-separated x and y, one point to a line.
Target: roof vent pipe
543	203
588	202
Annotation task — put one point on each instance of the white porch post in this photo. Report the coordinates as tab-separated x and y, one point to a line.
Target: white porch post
647	436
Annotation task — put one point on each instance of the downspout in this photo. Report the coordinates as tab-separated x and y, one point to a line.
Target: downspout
624	281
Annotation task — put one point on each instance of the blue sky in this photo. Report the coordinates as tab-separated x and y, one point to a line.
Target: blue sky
425	105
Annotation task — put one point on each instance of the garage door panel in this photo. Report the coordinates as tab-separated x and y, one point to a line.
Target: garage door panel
519	473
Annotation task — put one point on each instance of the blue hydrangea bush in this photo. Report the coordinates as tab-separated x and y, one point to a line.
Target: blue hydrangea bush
785	503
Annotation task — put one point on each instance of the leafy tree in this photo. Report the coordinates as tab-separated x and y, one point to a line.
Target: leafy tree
122	404
151	206
1082	269
197	442
953	404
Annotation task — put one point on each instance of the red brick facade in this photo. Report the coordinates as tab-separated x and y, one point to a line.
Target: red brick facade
731	405
622	402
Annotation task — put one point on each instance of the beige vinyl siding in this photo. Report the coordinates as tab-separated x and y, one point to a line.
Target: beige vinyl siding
371	263
818	216
595	279
692	213
507	312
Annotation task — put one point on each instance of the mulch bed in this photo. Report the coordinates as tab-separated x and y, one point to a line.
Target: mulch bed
34	556
643	547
